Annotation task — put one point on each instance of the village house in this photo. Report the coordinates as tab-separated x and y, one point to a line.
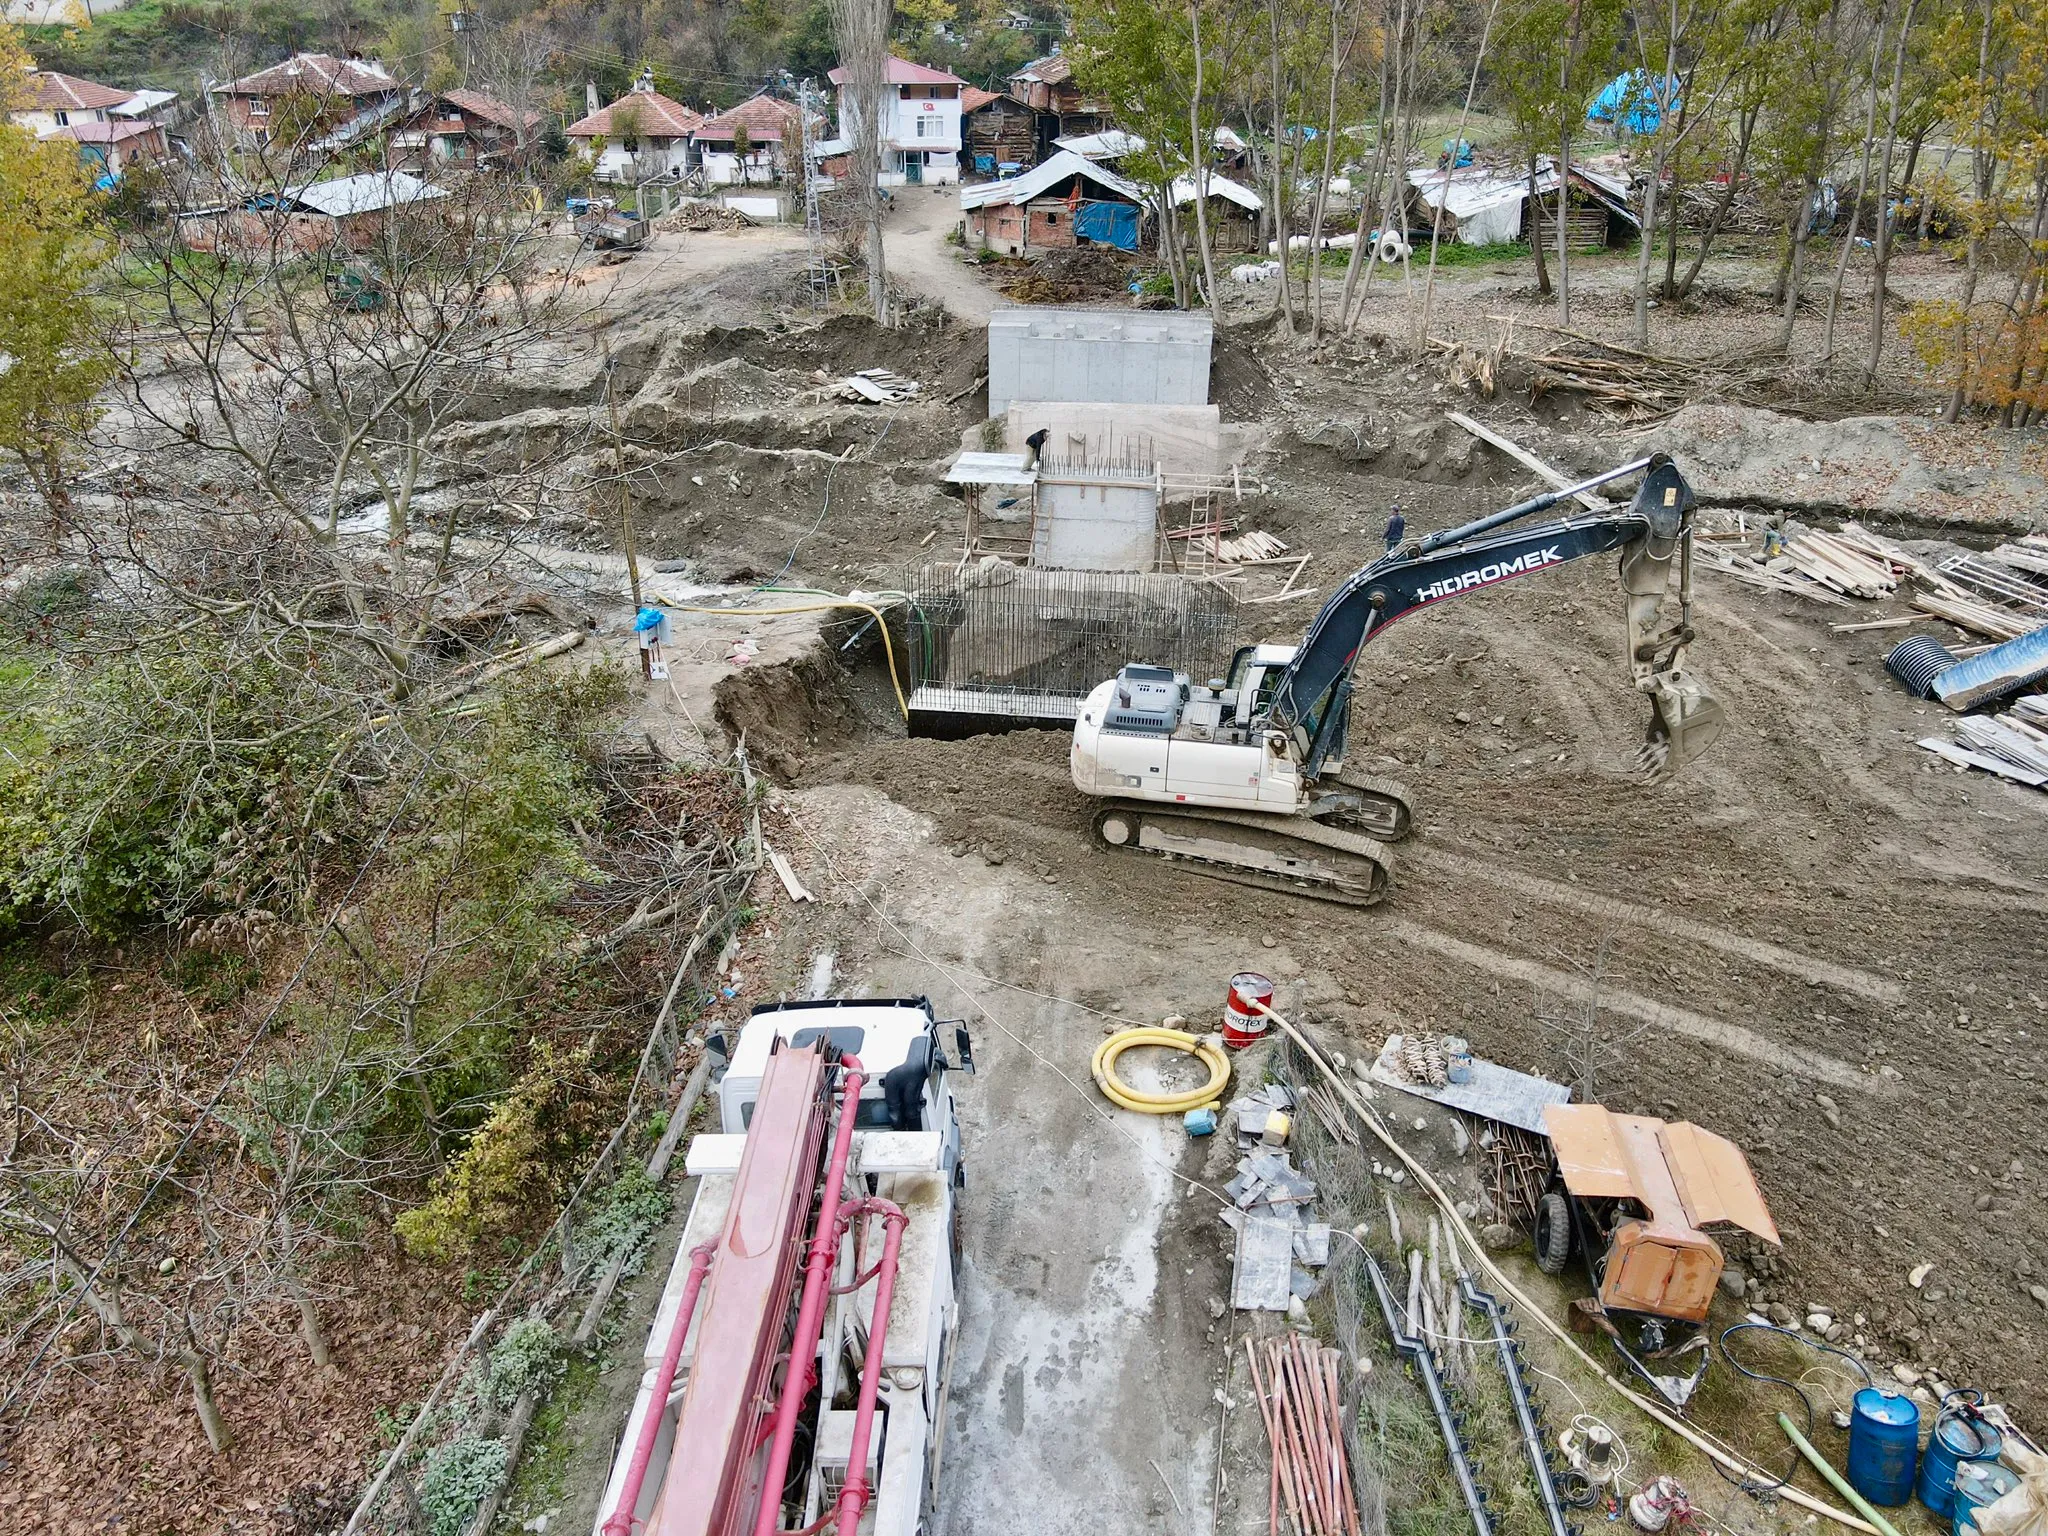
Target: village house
750	144
345	214
56	101
313	102
920	128
1066	202
113	128
643	136
1047	86
466	130
1488	205
999	133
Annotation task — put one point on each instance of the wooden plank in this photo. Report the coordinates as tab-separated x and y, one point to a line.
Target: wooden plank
795	888
1525	458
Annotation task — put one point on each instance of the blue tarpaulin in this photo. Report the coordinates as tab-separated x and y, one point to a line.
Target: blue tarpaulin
1633	101
1108	224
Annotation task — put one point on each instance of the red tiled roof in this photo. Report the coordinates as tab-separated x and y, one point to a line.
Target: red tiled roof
490	109
660	118
318	74
974	98
764	116
903	72
68	93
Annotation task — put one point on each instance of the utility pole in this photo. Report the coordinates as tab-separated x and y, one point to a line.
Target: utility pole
611	398
814	229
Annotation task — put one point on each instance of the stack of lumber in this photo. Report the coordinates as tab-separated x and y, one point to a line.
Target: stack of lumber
2030	554
2013	745
1778	576
1836	563
1304	1416
1247	547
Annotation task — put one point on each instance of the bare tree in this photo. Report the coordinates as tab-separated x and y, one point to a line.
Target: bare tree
311	394
862	30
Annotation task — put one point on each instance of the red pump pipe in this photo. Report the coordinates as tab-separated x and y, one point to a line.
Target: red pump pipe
810	1317
853	1498
621	1521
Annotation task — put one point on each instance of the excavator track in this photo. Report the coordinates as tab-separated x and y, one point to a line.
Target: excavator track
1388	813
1290	854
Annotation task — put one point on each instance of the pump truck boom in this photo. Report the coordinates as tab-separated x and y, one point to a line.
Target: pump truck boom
796	1370
1244	778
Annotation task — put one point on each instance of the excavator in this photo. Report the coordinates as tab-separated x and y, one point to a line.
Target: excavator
1243	778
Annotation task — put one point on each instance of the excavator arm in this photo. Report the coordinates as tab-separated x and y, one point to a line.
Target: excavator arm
1312	699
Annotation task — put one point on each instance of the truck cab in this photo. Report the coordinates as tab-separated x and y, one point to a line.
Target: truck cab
898	1043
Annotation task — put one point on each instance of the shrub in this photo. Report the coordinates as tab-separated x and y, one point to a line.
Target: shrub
155	787
458	1476
516	1164
527	1359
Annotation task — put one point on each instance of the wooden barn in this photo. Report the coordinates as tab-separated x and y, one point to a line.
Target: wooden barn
998	131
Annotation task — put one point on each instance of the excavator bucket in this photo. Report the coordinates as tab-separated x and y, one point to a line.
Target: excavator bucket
1685	720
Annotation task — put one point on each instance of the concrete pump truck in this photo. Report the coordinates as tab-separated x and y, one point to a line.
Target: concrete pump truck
795	1376
1243	778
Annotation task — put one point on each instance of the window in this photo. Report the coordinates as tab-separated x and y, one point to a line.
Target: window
63	119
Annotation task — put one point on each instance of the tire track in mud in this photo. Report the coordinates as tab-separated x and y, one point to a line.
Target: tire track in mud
1642	917
1667	1016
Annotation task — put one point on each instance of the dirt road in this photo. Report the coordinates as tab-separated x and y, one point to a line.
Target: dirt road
914	243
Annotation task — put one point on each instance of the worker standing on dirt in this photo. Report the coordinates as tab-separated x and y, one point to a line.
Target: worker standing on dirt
1396	527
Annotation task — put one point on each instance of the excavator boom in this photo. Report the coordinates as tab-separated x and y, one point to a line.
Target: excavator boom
1313	691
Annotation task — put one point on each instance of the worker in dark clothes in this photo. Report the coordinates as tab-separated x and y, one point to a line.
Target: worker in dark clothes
1396	528
1035	447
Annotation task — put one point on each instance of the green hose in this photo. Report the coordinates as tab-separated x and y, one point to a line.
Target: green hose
1856	1500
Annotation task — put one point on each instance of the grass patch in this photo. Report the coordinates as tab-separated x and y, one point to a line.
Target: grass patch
542	1480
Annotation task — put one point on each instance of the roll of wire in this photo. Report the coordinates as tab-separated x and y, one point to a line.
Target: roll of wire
1207	1051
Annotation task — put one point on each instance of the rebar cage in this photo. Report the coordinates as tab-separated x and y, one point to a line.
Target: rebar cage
1013	644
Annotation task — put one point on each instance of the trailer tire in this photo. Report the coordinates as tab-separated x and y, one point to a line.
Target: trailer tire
1553	1233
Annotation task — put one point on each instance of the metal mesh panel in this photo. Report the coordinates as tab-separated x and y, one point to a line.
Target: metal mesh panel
1008	639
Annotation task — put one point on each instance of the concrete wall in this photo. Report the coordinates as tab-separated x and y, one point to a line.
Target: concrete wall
1091	520
1117	357
1181	439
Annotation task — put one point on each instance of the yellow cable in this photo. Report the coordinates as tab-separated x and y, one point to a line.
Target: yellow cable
888	646
1118	1093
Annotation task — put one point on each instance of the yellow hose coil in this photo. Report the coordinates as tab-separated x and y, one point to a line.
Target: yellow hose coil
1113	1088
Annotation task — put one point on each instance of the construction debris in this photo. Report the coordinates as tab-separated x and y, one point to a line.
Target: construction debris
1303	1410
1489	1090
2013	745
877	386
1276	1242
1246	547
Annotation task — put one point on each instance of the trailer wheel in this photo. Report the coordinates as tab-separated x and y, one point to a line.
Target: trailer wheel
1553	1233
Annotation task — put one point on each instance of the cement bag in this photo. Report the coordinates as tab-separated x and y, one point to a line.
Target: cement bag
2024	1511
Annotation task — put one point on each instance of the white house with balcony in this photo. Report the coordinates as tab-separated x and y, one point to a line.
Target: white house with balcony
920	128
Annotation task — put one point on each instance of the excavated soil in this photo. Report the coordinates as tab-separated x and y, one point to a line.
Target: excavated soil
1817	940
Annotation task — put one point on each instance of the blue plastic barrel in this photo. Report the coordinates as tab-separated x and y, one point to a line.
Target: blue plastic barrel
1979	1483
1884	1445
1958	1436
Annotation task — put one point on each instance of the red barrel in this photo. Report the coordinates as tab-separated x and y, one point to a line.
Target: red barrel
1243	1024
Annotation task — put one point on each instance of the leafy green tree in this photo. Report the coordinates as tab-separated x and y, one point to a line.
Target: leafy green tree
50	254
